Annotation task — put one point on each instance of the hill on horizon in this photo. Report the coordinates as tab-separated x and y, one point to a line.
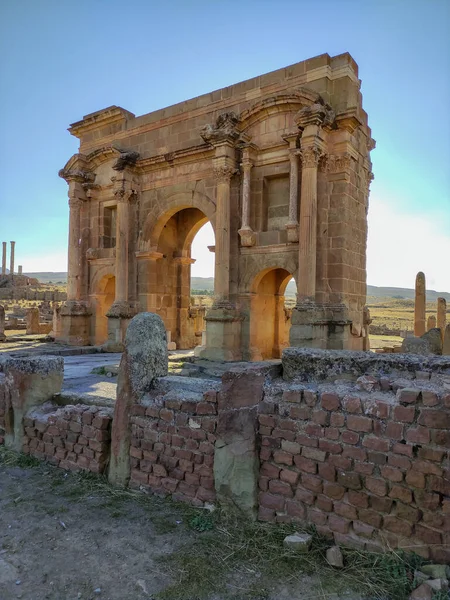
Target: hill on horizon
207	283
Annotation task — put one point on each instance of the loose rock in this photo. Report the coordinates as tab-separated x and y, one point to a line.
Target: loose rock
335	557
434	571
301	542
423	592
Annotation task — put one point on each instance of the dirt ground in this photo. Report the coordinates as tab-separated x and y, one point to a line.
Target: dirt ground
69	537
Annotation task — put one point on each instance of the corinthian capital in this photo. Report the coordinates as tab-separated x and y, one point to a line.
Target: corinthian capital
224	174
75	202
310	157
224	129
123	195
339	162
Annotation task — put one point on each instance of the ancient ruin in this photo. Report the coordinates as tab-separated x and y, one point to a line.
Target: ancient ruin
279	165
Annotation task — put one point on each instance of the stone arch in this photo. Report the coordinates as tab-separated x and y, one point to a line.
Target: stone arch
269	320
160	214
280	103
254	268
102	297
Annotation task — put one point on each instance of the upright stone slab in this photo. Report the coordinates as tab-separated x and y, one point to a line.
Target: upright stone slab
419	305
434	340
32	321
2	323
29	382
431	322
143	360
441	315
446	346
236	462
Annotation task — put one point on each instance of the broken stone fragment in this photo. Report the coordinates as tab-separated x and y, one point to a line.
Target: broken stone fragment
438	585
423	592
435	571
335	557
300	542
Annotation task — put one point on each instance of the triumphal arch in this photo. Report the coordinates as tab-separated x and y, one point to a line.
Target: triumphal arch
279	165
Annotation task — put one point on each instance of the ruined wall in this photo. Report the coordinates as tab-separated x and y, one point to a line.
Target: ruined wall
71	437
172	447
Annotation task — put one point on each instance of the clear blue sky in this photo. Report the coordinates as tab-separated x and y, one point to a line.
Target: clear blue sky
62	59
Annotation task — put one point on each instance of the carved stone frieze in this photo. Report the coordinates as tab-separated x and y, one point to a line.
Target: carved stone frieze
336	163
224	129
127	158
224	174
75	202
123	195
318	113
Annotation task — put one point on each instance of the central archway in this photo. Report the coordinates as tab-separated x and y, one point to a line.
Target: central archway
269	317
169	276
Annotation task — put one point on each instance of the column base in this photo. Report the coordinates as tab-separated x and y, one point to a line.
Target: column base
75	323
325	326
119	317
248	237
292	232
223	334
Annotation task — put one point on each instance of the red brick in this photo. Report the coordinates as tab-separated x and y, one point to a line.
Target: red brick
305	464
139	476
429	468
270	470
265	453
392	474
381	504
375	443
321	417
304	495
270	501
349	480
436	419
264	430
101	422
431	454
329	446
370	517
309	397
419	435
314	453
398	526
75	427
287	424
339	524
324	503
401	493
206	495
439	484
316	516
333	490
379	410
441	438
314	430
332	433
267	420
376	486
359	499
330	401
350	437
304	440
152	411
394	431
352	404
303	413
356	423
427	535
291	447
284	434
408	395
362	529
282	457
288	476
327	472
311	482
263	483
295	509
280	487
404	414
409	513
292	396
337	419
364	468
187	490
405	449
206	408
340	462
345	510
266	514
355	453
401	462
426	500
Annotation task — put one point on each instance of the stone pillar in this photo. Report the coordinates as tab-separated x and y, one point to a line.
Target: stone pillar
446	345
441	315
11	259
292	224
32	318
431	322
75	312
246	232
420	305
4	258
121	311
2	323
19	269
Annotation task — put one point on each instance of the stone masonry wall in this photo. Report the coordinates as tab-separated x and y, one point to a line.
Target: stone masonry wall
366	462
72	437
2	408
172	448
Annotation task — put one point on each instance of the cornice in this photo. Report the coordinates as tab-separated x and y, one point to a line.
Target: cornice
101	118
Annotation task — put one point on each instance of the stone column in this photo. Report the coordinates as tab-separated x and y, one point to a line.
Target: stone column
75	312
2	323
223	176
4	258
19	269
431	322
441	315
308	226
32	318
11	260
121	311
294	152
420	305
246	232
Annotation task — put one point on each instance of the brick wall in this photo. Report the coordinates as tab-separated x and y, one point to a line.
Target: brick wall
73	437
369	468
172	448
2	408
